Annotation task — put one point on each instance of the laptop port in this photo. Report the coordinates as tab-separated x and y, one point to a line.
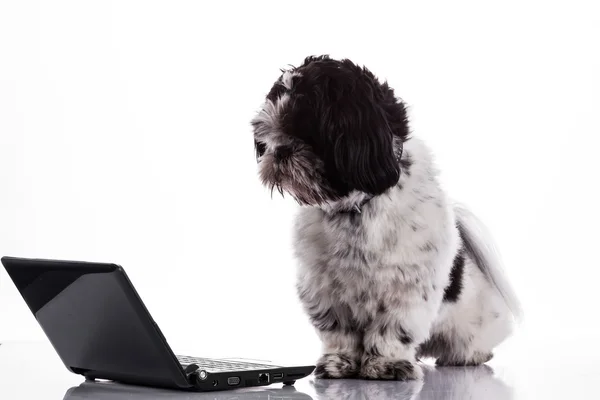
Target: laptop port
278	376
263	378
233	381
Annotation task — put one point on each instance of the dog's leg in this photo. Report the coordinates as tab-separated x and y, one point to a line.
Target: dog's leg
391	340
341	355
471	326
341	340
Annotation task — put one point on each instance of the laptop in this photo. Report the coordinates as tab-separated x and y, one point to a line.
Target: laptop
100	328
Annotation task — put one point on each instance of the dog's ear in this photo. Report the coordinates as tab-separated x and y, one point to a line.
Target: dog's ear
363	147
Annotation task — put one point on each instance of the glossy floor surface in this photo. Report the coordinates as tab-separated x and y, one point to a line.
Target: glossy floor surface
33	371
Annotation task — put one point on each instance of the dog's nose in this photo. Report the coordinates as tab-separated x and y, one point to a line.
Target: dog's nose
282	152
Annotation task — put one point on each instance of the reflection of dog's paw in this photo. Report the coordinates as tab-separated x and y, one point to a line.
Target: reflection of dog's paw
477	359
336	366
343	389
386	369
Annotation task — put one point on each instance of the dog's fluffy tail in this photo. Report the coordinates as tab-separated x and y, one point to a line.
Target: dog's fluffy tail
480	246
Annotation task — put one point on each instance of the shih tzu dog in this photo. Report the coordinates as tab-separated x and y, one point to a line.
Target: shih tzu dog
390	271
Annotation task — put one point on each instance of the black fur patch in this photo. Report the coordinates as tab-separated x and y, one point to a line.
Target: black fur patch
405	339
435	346
363	297
454	288
404	336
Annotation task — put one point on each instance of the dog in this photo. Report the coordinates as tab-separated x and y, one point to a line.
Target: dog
390	270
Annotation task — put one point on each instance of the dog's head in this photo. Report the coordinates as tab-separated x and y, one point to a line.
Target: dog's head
330	131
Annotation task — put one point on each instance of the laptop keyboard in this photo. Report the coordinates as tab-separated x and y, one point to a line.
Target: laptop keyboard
210	364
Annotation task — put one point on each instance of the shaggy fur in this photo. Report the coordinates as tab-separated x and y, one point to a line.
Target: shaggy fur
389	270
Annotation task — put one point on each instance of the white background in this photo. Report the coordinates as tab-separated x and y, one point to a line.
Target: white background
125	137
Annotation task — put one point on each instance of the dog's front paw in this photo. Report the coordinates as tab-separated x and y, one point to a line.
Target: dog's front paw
336	366
388	369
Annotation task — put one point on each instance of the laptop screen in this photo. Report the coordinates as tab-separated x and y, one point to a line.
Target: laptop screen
95	320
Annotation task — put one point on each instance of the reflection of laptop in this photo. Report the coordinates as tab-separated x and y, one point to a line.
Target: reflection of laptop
100	328
116	391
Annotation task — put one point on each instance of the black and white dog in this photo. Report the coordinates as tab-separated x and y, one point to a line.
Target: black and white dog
390	271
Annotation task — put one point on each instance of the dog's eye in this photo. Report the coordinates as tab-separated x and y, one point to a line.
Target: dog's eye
260	148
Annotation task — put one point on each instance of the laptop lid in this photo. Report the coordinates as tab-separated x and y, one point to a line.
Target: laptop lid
96	321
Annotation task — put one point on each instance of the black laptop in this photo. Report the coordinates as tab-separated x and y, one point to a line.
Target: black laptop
101	329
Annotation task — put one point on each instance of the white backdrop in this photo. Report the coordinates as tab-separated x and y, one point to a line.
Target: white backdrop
125	137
